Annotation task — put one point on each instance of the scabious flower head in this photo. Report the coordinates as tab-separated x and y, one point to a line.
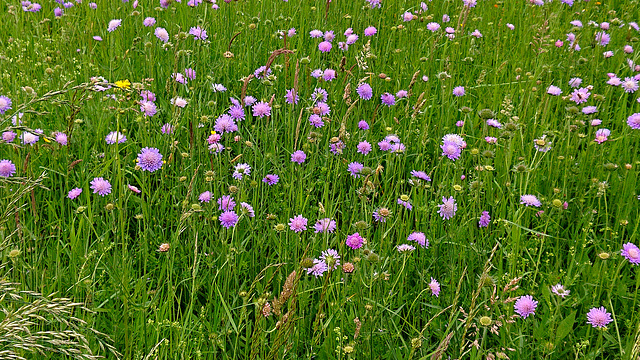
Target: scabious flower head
150	159
448	208
370	31
115	137
630	85
205	196
354	241
198	33
525	306
559	290
318	269
331	258
404	201
8	136
147	95
451	150
325	46
603	38
226	203
298	223
598	317
355	168
298	157
382	214
485	219
29	138
364	147
179	78
271	179
363	125
162	34
420	175
575	82
494	123
316	120
179	102
588	110
316	34
291	97
634	121
580	96
7	168
225	123
554	90
74	193
420	238
407	16
148	108
236	112
433	26
149	21
435	287
388	99
241	170
167	129
365	91
134	189
542	144
61	138
325	225
100	186
530	200
405	248
261	109
228	219
631	252
113	24
602	135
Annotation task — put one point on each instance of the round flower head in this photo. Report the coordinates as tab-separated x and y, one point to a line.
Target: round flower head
448	208
458	91
226	203
225	123
261	109
598	317
331	258
559	290
298	157
525	306
29	138
271	179
631	252
420	175
241	170
364	147
363	125
405	248
634	121
325	225
5	104
355	168
115	137
167	129
291	97
530	200
74	193
382	214
554	90
365	91
61	138
319	267
148	108
228	219
162	34
629	85
370	31
113	24
435	287
433	26
150	159
420	238
198	33
451	150
325	46
236	112
485	219
100	186
8	136
388	99
298	223
148	21
7	168
316	120
354	241
580	96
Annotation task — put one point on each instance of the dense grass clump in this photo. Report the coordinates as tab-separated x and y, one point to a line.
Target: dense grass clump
454	179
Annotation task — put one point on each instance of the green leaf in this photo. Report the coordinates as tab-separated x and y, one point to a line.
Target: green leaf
565	327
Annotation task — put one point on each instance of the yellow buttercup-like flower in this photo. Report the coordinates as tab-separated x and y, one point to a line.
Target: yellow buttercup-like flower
123	84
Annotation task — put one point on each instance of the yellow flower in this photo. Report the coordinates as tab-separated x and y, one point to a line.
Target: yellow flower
123	84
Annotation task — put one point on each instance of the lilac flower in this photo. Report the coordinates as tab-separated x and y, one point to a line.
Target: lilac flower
407	16
365	91
7	168
451	150
236	112
630	85
405	248
331	258
388	99
261	72
134	189
8	136
218	88
317	73
354	241
205	196
241	170
354	169
420	238
100	186
74	193
114	137
476	33
448	208
149	21
198	33
580	96
247	209
148	108
261	109
559	290
298	157
318	269
228	219
323	108
494	123
325	46
316	120
113	24
525	306
61	138
634	121
167	129
485	219
316	34
190	73
226	203
179	78
370	31
542	144
603	38
298	223
351	39
363	125
179	102
162	34
225	123
381	214
406	203
554	90
602	135
58	12
328	75
271	179
433	26
364	147
291	97
598	317
150	159
420	175
575	82
29	138
435	287
325	225
530	200
631	252
588	110
491	139
148	95
5	104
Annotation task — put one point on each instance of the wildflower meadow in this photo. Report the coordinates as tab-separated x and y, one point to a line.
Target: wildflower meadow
320	179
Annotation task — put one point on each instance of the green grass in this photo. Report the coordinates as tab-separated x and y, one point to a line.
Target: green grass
203	298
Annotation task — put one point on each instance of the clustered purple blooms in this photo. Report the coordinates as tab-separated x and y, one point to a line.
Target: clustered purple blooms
298	223
365	91
530	200
241	170
100	186
525	306
271	179
7	168
150	159
598	317
325	225
298	157
74	193
420	238
354	241
228	219
355	168
634	121
226	203
485	219
448	208
5	104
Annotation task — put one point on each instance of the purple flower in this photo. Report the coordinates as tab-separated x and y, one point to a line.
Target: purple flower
325	225
458	91
225	123
370	31
630	85
328	75
603	38
247	209
542	144
318	269
631	252
485	219
587	110
298	157
150	159
316	120
435	287
74	193
388	99
451	150
494	123
598	317
57	12
364	147
100	186
198	33
115	137
420	175
148	108
29	138
7	168
580	96
261	109
8	136
179	78
148	21
316	34
405	248
575	82
236	112
298	224
448	208
602	135
420	238
167	129
559	290
530	200
363	125
433	26
226	203
271	179
323	108
134	189
228	219
354	169
291	97
365	91
162	34
205	196
325	46
554	90
331	258
190	73
319	94
525	306
148	95
113	24
5	104
354	241
241	170
381	214
634	121
61	138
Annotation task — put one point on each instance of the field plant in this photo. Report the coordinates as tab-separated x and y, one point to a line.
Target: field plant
311	179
